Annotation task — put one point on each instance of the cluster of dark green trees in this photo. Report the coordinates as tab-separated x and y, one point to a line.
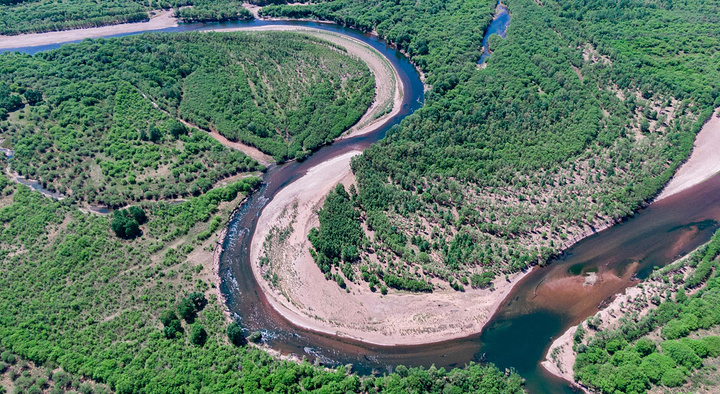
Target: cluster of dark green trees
339	236
101	121
187	309
581	115
36	16
627	360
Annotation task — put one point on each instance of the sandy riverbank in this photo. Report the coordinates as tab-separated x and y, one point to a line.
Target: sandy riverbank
161	20
303	296
704	162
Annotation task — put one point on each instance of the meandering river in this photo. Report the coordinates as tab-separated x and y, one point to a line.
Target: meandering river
535	312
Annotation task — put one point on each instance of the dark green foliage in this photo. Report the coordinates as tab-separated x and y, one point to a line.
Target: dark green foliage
137	214
171	323
339	235
187	310
235	334
125	225
177	129
9	101
33	96
189	306
483	280
107	131
198	335
406	283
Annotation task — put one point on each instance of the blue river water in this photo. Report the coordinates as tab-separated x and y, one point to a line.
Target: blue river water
498	26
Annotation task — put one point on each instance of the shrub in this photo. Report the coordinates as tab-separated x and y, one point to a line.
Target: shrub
673	378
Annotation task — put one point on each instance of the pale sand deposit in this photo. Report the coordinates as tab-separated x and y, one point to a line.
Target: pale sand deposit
161	20
304	297
704	162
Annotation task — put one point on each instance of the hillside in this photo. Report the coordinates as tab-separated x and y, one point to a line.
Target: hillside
582	114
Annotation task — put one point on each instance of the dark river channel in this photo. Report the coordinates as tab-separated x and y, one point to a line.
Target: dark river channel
540	308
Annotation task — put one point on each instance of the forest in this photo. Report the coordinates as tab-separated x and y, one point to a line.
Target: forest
37	16
581	115
84	310
102	121
673	344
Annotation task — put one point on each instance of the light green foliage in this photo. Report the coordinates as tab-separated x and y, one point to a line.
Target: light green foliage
101	308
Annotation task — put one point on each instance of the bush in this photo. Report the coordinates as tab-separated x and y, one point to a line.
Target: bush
673	378
255	337
682	354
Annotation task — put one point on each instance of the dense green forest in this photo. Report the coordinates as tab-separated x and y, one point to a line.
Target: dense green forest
36	16
101	120
673	344
94	310
581	115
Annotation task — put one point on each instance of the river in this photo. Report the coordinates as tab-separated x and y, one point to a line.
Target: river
535	312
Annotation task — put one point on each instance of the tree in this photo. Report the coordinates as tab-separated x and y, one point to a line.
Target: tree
177	129
170	320
187	310
198	300
33	96
154	134
235	334
138	214
198	335
124	225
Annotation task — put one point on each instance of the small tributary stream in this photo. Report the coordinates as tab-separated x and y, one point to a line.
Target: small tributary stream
521	331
